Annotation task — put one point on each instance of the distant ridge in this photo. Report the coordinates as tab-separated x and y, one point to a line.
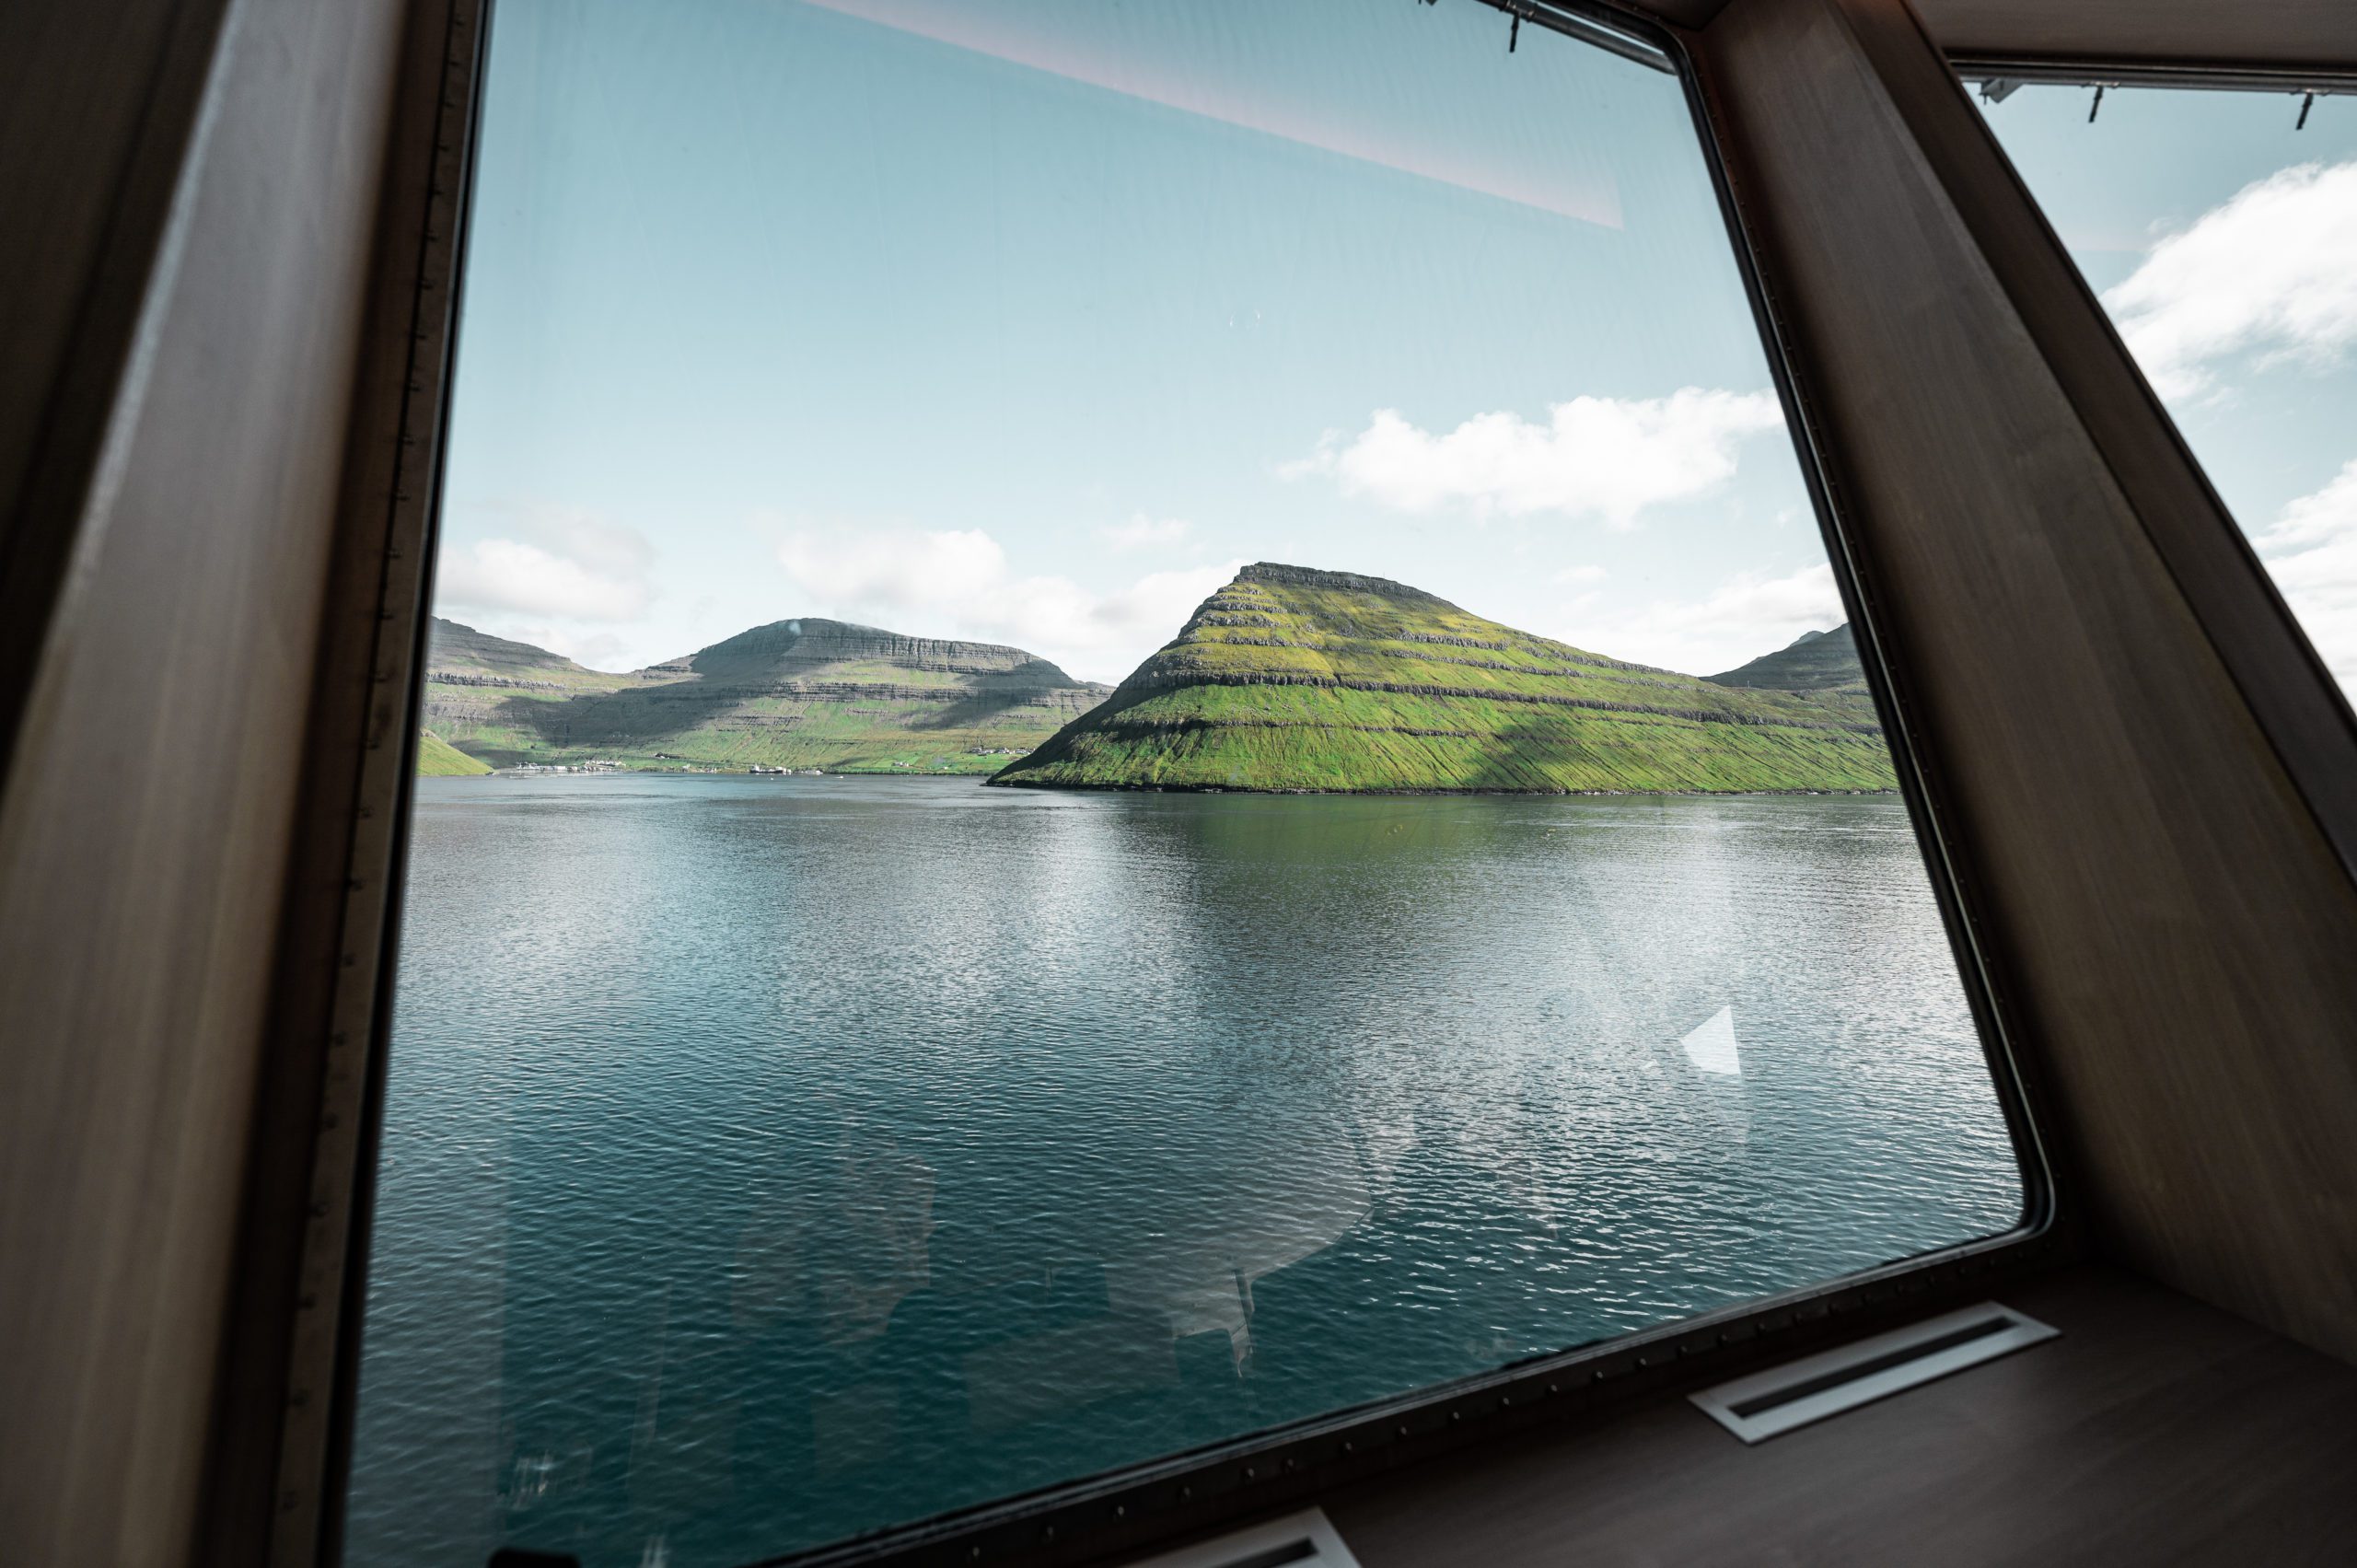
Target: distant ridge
1815	661
1294	679
807	693
462	654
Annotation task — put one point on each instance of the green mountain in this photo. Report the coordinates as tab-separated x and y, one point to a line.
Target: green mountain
1290	678
806	693
1815	661
481	690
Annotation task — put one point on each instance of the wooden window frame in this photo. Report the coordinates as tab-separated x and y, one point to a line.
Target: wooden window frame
372	665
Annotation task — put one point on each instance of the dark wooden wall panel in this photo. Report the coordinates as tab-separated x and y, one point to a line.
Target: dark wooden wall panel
2279	33
144	823
2172	925
99	102
79	83
2272	35
2153	1431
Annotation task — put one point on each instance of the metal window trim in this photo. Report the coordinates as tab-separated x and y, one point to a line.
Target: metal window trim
2088	71
1762	1405
1260	1543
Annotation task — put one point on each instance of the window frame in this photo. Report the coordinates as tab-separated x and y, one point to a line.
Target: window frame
1131	1506
2298	700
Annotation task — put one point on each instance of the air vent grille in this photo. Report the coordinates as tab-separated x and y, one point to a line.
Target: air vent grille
1768	1403
1306	1539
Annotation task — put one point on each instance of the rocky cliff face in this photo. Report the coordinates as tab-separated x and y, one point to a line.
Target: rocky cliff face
1294	679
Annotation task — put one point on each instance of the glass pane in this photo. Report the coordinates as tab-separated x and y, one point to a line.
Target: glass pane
2221	233
1321	454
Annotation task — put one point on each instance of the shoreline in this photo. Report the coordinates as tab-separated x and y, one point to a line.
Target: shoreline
1526	793
988	781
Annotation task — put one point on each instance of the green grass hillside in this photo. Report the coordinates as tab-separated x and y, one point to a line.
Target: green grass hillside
1290	678
806	693
437	758
1815	661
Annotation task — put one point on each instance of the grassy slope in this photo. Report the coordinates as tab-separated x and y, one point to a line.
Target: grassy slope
794	694
1279	682
437	758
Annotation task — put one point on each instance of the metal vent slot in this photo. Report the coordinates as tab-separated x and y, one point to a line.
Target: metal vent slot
1277	1556
1768	1403
1305	1539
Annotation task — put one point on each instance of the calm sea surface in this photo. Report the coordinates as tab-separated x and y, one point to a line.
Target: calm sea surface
771	1161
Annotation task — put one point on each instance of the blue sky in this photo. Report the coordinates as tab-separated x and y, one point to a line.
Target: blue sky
1030	321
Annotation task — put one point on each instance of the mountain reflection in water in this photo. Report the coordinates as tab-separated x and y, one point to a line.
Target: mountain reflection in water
767	1162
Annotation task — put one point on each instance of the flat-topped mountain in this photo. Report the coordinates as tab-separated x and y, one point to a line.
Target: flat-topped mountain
803	693
786	652
1814	661
1291	679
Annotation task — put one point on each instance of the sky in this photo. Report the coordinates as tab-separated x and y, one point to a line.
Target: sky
1030	323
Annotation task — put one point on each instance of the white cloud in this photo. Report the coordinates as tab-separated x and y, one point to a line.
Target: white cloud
2328	515
568	564
1574	574
1607	457
2272	270
893	570
1142	532
597	650
2311	552
1746	616
958	584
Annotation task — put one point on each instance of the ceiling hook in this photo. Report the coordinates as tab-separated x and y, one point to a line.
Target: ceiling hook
2307	101
2096	107
1514	35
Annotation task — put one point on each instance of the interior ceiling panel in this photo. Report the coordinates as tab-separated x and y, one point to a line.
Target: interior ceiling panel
2294	34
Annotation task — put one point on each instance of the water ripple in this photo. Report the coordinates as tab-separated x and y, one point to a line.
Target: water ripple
766	1162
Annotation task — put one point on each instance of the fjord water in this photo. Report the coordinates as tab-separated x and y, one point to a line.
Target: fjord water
767	1161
